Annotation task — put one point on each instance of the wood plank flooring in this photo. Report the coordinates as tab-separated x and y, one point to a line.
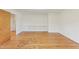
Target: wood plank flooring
39	40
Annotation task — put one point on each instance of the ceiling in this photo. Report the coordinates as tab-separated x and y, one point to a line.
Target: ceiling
38	10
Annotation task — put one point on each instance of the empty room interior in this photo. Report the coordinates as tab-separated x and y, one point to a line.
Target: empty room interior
39	28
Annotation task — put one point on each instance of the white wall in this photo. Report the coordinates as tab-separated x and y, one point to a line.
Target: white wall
54	22
70	22
34	22
18	23
66	23
18	18
29	21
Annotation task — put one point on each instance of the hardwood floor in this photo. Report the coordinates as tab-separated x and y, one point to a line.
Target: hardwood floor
39	40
